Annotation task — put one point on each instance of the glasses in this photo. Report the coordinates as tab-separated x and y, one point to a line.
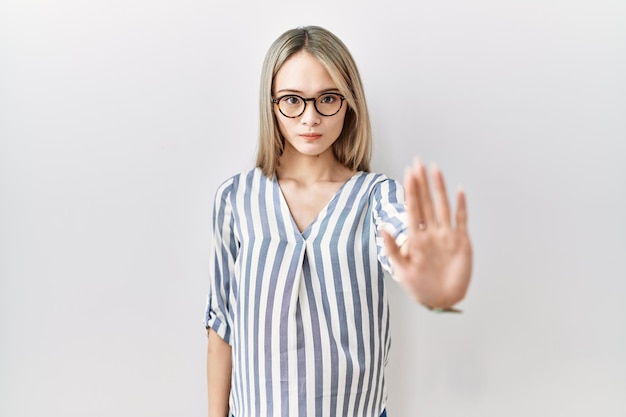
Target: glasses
292	106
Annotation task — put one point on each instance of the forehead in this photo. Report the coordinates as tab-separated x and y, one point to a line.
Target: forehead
302	72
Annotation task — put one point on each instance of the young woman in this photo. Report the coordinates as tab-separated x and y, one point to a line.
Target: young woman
297	312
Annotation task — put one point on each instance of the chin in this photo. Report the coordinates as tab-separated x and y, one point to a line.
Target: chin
310	149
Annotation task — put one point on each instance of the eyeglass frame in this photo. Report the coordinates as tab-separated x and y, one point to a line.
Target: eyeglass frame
304	100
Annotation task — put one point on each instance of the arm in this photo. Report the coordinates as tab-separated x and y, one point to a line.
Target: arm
218	369
434	263
218	311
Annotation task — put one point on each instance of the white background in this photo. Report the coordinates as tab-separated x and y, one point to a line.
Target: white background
119	119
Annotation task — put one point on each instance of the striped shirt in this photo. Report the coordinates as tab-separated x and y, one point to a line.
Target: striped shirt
306	313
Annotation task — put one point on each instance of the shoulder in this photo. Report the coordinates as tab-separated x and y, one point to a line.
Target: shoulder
384	188
370	178
378	181
242	182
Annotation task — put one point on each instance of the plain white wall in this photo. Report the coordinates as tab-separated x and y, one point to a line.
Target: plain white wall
119	119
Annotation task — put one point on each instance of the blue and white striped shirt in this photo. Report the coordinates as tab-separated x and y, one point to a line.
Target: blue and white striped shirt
306	313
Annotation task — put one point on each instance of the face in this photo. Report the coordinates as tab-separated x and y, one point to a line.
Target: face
311	133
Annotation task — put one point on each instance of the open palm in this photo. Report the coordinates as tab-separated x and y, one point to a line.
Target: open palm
434	264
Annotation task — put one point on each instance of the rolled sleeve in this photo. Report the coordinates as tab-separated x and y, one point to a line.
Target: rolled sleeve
389	214
218	313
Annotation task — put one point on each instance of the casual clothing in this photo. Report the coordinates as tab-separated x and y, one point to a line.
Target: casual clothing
306	313
384	414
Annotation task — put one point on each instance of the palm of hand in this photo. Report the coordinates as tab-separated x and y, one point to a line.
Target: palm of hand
434	264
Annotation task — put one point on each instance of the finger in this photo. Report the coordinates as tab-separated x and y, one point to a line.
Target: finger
441	196
423	189
416	218
461	211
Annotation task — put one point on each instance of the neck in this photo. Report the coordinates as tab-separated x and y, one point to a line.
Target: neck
310	168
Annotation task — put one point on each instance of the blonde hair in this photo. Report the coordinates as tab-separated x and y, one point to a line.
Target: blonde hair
353	147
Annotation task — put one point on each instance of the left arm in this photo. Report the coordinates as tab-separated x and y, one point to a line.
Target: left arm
434	264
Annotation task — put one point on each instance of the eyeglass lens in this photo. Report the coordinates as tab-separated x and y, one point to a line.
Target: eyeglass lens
326	104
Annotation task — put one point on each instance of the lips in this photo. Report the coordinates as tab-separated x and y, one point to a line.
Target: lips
311	136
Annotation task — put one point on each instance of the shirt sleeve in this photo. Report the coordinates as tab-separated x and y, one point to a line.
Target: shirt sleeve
218	314
389	214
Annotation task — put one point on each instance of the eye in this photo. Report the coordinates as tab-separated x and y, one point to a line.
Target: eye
328	98
291	100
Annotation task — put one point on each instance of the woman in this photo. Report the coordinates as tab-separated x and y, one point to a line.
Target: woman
297	312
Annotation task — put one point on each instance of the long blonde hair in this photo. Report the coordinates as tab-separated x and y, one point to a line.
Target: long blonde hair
353	147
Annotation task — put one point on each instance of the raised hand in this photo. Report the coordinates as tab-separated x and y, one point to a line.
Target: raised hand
434	264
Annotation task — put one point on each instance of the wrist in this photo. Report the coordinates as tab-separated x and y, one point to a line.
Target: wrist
443	309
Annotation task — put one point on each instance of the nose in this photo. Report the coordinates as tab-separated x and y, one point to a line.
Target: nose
310	117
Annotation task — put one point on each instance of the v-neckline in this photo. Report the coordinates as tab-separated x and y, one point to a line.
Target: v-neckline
285	207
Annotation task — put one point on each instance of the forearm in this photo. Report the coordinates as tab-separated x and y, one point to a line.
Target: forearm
219	369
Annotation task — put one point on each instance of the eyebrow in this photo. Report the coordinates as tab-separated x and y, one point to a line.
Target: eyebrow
289	90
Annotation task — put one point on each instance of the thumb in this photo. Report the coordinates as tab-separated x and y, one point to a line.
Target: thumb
393	250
